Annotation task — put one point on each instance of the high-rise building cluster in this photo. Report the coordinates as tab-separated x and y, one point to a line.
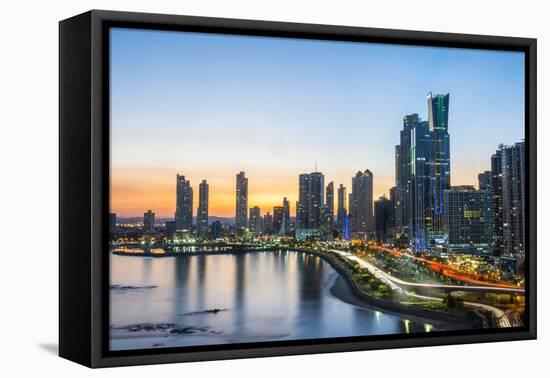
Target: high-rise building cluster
315	215
315	211
429	215
248	221
422	174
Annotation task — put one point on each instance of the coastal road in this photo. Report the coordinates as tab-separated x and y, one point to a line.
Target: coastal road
449	271
397	285
505	289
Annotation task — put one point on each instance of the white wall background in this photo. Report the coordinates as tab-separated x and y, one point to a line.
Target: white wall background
29	185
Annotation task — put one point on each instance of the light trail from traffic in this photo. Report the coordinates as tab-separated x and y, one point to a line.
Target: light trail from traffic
397	284
449	271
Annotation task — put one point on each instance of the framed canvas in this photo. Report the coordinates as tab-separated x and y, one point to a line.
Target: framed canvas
235	188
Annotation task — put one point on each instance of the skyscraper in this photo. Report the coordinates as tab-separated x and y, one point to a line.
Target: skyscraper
241	208
170	229
112	222
422	174
467	219
325	224
382	218
390	236
341	213
513	199
361	205
330	205
149	221
254	220
311	189
508	200
316	198
484	180
302	206
403	177
438	120
286	215
268	224
202	211
184	204
485	185
496	203
278	215
216	229
420	184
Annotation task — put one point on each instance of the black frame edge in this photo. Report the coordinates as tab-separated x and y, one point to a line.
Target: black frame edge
75	273
531	136
315	31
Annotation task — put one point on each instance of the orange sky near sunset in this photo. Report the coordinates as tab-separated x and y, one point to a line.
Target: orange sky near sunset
131	195
134	190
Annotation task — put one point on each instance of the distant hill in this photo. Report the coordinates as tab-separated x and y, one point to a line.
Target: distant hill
229	220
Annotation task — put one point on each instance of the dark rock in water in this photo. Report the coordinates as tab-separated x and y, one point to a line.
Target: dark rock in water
149	327
188	330
163	328
130	287
211	311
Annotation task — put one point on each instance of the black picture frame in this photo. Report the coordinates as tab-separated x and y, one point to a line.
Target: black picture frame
84	186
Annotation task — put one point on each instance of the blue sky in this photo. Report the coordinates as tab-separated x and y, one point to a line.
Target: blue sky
208	105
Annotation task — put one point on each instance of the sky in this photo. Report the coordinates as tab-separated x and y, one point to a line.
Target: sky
208	106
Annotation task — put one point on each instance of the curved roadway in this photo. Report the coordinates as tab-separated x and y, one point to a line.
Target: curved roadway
397	284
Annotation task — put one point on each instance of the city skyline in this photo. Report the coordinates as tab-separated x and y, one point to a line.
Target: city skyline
144	166
462	218
281	175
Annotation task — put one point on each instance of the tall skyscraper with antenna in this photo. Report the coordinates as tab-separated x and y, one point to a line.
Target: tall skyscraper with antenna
438	122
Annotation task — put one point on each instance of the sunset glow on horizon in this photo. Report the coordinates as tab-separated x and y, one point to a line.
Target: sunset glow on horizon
131	196
207	106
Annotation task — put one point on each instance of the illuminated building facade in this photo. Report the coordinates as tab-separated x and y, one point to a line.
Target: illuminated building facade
254	220
149	221
202	211
361	206
184	204
241	206
467	219
341	213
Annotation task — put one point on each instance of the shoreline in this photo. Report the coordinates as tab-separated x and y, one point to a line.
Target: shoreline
342	291
353	295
